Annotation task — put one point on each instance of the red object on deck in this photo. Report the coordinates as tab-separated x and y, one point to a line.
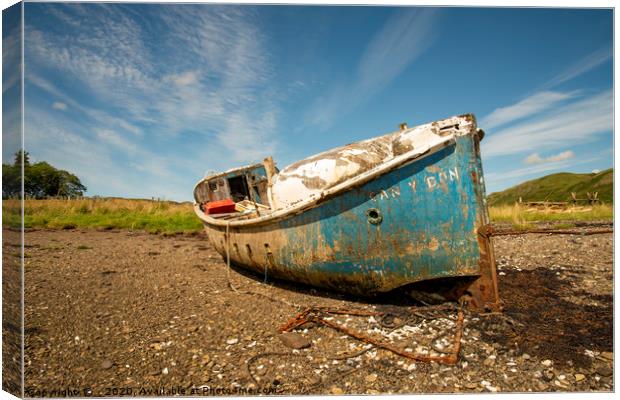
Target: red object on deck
220	207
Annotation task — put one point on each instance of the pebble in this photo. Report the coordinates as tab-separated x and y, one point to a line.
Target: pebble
336	390
579	377
547	363
371	378
232	341
608	355
604	370
548	375
489	362
471	385
106	364
525	356
294	340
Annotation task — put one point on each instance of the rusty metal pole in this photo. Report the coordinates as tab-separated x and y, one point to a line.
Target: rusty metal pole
484	290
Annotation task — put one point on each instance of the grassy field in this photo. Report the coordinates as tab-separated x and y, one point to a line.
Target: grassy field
147	215
170	217
521	216
558	187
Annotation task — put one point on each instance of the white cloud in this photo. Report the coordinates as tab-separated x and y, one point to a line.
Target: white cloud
210	81
537	170
11	52
535	158
576	123
101	117
111	53
58	105
113	138
584	65
401	41
94	159
186	78
11	129
11	108
531	105
31	78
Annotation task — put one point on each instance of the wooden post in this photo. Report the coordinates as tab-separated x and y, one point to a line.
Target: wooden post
250	183
270	169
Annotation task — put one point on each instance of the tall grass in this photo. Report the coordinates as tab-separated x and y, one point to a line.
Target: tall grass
170	217
147	215
520	215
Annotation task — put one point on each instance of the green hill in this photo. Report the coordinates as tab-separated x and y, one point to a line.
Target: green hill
558	187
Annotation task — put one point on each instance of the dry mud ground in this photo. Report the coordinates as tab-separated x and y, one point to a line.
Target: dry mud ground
123	313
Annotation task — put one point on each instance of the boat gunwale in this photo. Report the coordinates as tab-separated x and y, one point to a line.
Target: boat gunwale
314	201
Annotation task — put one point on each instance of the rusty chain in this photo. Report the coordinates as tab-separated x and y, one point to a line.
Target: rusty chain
317	315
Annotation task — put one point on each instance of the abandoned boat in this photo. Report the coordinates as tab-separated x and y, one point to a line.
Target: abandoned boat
372	216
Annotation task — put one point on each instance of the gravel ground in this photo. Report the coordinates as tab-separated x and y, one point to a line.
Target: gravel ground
123	313
11	312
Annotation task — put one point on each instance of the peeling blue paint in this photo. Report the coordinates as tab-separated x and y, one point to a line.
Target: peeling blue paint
430	210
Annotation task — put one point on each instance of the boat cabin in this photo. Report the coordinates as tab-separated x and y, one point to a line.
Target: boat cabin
234	193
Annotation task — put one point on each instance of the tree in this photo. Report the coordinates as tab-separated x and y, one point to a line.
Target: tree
70	185
22	155
11	181
40	179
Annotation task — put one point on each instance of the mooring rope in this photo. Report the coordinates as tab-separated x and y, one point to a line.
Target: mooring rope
228	257
234	289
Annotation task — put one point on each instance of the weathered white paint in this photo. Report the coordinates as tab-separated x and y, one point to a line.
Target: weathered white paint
308	178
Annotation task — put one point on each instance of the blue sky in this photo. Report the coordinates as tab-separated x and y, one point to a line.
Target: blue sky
141	100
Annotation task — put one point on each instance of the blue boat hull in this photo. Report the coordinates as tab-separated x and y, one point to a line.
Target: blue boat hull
416	223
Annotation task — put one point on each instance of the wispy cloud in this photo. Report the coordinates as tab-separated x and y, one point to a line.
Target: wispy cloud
58	105
11	73
500	177
584	65
531	105
204	82
99	117
577	122
184	79
111	137
535	158
100	158
11	51
401	41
